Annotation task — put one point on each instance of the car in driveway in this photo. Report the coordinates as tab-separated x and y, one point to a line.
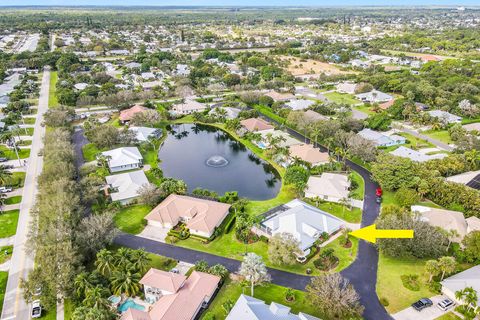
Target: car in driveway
36	309
445	304
3	159
422	304
5	189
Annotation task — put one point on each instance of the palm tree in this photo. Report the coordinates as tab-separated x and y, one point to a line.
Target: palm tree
7	138
5	174
432	268
96	298
125	282
451	235
141	260
123	258
446	265
82	283
105	262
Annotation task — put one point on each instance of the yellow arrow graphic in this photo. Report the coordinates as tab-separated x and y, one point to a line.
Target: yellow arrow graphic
371	233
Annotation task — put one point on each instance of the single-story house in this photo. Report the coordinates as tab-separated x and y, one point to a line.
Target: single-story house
133	65
143	133
230	112
386	105
277	96
188	107
460	281
256	125
374	96
448	220
124	187
444	116
380	139
414	155
249	308
310	154
289	140
176	297
80	86
182	70
127	114
313	116
470	179
122	159
472	126
200	216
346	87
328	186
299	104
305	222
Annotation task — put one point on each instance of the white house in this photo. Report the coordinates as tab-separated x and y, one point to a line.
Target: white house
444	116
124	187
374	96
299	104
414	155
305	222
467	278
328	186
188	107
249	308
122	159
380	139
143	133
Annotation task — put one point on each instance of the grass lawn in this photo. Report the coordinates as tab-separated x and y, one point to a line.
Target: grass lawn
90	151
52	98
11	155
130	219
25	142
68	309
3	286
8	223
269	113
114	121
342	212
338	97
441	135
28	120
365	109
231	290
15	180
414	142
5	253
449	316
161	262
389	284
49	314
13	200
359	192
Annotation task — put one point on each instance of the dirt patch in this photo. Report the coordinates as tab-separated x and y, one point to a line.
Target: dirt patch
298	67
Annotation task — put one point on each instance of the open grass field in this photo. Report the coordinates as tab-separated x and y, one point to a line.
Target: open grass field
389	283
299	66
231	290
8	223
341	98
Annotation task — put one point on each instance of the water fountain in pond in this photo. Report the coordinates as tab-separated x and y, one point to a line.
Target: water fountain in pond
216	161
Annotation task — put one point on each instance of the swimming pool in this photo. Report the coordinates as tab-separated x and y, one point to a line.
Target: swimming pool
130	304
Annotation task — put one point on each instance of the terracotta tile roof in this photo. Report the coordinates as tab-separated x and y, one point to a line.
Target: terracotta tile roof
134	314
277	96
256	124
202	215
184	304
167	281
127	114
386	105
308	153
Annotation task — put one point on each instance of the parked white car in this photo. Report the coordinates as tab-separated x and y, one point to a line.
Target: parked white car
36	309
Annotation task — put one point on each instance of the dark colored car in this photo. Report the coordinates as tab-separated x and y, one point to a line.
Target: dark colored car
378	199
3	159
422	304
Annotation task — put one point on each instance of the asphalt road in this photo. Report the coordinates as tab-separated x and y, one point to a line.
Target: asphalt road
14	307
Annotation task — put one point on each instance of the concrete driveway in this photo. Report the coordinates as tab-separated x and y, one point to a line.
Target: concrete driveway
426	314
155	233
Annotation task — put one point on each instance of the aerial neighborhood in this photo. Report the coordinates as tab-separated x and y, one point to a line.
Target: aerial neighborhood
171	163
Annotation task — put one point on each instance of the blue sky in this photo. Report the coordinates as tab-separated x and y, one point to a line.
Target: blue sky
241	2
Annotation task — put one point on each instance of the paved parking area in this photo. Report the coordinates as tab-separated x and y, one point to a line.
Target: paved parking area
426	314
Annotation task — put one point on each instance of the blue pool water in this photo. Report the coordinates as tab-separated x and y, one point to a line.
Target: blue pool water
130	304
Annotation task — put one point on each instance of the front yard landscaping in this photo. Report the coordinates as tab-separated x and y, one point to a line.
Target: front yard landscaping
11	155
130	219
8	223
440	135
13	200
16	180
5	253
